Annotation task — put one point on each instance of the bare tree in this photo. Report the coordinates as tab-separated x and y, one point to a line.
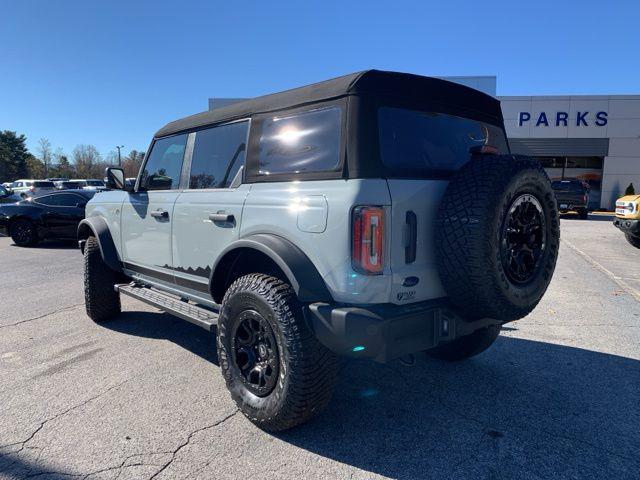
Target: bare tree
87	161
44	148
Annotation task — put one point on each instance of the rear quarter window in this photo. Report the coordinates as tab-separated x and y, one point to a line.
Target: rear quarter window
302	143
430	143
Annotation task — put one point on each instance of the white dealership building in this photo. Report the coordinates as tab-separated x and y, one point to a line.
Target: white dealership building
592	137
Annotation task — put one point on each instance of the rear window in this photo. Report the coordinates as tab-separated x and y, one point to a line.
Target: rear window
43	184
301	143
567	185
430	143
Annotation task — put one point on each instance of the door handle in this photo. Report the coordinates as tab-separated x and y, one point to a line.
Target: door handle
222	218
160	213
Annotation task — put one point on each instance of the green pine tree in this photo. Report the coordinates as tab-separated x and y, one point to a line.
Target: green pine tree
630	190
13	156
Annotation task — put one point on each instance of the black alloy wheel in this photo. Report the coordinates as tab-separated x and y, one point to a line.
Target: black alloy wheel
255	353
23	233
275	369
523	239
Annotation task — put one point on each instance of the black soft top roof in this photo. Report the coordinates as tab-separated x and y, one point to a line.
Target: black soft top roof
368	82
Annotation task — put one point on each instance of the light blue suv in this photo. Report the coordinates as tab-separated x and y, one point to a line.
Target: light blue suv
374	215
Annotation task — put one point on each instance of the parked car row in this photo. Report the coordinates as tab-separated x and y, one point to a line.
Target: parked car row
31	187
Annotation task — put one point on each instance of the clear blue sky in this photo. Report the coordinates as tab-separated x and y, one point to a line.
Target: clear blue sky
113	72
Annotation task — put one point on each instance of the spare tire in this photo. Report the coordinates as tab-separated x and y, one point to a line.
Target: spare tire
497	237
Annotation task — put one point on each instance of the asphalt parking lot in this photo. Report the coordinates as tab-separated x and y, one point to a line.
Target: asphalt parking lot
558	396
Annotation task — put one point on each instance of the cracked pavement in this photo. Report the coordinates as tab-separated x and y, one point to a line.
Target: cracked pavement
141	397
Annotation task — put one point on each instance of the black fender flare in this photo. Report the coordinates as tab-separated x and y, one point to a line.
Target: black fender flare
97	227
292	261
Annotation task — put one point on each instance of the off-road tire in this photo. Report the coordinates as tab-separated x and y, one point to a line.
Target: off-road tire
307	370
24	233
467	346
633	240
469	229
583	213
102	302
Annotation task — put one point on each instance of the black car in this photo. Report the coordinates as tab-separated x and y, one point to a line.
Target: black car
572	194
52	215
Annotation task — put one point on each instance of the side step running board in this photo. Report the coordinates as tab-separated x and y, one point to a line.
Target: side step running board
187	311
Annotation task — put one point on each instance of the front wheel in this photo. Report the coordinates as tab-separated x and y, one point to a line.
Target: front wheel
101	300
467	346
278	374
633	240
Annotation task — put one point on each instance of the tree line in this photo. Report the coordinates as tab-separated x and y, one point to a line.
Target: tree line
84	162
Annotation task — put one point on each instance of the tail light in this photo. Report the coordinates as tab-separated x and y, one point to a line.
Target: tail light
367	252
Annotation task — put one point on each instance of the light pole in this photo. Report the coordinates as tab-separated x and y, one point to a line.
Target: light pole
119	159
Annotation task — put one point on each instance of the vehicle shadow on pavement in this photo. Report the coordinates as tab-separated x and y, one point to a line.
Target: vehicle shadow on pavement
51	245
523	409
167	327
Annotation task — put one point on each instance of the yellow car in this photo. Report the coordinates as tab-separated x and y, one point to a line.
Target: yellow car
628	218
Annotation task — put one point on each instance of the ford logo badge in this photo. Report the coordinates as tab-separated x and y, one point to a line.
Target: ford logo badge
410	281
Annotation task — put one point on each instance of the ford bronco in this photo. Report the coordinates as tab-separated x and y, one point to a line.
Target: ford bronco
627	218
374	215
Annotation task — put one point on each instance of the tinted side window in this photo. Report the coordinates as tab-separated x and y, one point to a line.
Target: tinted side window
48	200
305	142
162	170
70	200
218	154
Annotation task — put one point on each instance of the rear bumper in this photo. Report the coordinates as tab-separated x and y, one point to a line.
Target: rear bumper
386	332
568	206
631	227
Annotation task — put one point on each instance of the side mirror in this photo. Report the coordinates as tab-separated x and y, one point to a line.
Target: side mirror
115	178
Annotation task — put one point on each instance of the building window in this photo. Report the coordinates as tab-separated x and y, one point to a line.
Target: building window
594	163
